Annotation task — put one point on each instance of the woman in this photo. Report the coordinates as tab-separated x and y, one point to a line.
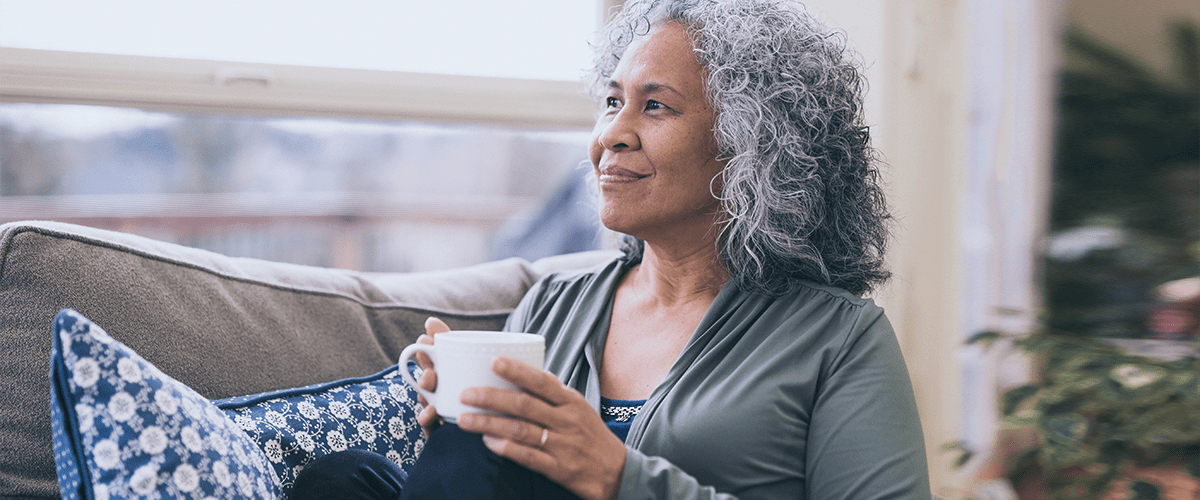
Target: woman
732	152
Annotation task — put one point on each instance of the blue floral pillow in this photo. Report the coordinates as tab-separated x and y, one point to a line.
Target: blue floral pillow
122	428
295	426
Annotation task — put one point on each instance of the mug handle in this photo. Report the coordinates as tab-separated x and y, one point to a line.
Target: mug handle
407	354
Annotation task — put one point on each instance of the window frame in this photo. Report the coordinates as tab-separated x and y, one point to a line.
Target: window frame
189	85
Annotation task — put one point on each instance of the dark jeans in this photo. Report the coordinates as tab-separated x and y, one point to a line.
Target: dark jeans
455	464
352	475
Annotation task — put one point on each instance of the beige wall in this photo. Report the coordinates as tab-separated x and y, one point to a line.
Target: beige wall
922	136
1138	27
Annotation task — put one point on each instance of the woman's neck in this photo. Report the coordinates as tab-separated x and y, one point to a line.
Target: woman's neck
680	277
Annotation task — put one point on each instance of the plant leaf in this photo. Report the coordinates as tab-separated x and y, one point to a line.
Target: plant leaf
987	337
1013	398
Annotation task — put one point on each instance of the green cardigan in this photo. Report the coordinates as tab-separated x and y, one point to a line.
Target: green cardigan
804	396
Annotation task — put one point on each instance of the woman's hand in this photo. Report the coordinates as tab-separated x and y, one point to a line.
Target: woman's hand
552	430
429	418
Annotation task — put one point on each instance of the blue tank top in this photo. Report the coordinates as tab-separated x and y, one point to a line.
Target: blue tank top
618	414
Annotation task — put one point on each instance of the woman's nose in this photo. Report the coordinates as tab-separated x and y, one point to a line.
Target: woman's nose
619	133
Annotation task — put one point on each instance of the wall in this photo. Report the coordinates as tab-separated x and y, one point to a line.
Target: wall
1135	27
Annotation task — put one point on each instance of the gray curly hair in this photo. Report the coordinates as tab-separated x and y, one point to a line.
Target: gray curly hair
800	192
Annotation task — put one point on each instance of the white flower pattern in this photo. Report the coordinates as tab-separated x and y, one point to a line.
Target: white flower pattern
191	439
167	402
84	414
336	441
127	431
153	440
107	454
370	397
293	427
339	409
129	370
305	441
144	480
308	410
221	473
246	423
87	372
273	451
122	407
186	478
366	431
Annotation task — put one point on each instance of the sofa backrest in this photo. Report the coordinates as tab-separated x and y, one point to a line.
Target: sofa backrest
224	326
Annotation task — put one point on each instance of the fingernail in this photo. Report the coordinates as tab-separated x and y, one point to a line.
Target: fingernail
466	420
499	364
469	396
491	442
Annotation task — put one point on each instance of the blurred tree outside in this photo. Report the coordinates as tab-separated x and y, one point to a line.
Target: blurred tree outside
1123	255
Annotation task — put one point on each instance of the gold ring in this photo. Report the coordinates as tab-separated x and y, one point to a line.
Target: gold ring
545	434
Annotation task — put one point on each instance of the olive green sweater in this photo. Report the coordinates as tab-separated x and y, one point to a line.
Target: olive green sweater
804	396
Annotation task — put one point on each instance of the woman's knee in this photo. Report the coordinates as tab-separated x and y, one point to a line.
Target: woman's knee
351	474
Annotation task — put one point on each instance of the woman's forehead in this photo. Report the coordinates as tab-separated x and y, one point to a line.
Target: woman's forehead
664	55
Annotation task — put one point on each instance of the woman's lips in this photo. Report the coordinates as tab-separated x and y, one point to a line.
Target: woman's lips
618	174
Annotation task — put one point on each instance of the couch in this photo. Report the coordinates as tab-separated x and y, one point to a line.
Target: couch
224	326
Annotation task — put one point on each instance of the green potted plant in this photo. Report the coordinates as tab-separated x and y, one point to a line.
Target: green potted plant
1103	416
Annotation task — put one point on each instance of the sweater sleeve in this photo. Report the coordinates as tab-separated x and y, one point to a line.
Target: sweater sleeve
865	440
651	478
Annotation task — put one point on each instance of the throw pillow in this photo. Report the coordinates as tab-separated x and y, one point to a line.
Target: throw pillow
295	426
122	428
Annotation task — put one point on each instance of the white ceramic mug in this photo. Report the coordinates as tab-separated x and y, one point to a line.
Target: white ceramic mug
463	359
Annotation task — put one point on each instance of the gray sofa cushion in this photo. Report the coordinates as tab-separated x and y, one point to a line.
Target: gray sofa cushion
224	326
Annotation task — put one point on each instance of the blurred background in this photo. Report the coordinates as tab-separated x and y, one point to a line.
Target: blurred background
1043	163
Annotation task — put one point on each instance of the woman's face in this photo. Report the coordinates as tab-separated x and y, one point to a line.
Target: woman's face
653	147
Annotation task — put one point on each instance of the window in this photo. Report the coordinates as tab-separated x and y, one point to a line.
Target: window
372	135
380	196
526	39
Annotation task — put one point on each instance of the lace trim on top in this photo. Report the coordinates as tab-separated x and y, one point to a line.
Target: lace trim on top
619	410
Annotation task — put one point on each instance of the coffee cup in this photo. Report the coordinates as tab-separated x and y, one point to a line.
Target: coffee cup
463	359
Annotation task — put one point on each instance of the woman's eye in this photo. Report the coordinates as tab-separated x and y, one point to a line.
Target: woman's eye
612	102
653	105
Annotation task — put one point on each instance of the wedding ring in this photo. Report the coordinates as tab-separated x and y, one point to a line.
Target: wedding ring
545	434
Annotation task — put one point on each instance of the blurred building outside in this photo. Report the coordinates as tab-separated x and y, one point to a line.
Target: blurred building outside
359	195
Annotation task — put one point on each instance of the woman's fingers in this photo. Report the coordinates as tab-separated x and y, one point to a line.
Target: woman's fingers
577	450
429	420
517	404
531	456
541	384
428	382
521	431
434	325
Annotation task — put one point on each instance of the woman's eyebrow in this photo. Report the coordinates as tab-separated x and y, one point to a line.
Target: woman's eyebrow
652	87
646	88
